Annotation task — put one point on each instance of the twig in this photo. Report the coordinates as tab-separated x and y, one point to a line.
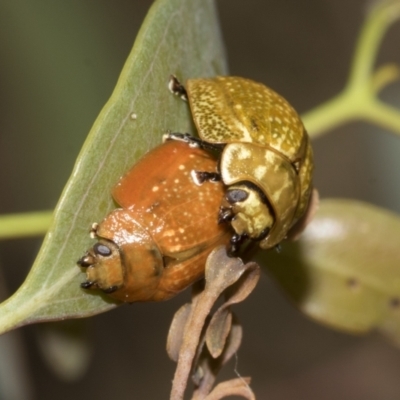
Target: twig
210	341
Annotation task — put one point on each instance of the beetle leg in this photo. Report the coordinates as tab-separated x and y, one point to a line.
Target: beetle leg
86	261
93	230
176	88
87	284
225	214
193	141
111	289
199	177
236	241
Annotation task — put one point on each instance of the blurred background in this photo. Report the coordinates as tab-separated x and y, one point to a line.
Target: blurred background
59	62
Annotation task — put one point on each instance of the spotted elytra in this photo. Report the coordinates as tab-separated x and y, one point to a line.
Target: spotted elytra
156	244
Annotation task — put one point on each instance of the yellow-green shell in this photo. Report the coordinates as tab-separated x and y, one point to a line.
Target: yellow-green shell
266	143
232	109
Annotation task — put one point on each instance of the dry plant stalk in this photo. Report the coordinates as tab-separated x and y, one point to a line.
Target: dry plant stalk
202	343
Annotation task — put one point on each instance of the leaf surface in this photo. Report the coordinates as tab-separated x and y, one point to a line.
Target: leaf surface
345	269
181	37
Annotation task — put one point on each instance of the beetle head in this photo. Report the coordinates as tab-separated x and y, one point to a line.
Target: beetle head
252	216
125	262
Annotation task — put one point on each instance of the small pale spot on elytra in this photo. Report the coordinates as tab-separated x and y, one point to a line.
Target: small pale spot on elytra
260	171
155	188
181	167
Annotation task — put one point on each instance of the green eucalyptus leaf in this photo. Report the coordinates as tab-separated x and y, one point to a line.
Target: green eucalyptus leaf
178	36
344	271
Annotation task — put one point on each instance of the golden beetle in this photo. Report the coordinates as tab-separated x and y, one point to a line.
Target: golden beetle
266	160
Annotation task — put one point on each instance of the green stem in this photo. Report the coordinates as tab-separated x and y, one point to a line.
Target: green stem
24	224
328	115
359	98
380	17
384	115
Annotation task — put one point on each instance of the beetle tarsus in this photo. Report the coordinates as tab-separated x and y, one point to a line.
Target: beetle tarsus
93	230
86	261
87	284
180	137
225	214
200	177
193	141
236	241
176	88
111	289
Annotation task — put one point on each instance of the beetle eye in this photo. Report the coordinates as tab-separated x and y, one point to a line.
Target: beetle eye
236	195
102	250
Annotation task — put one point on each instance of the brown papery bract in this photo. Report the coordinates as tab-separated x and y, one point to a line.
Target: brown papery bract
202	343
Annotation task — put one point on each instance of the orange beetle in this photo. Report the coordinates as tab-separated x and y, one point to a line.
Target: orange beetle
156	245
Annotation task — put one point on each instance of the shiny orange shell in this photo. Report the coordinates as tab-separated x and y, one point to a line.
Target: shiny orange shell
157	243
